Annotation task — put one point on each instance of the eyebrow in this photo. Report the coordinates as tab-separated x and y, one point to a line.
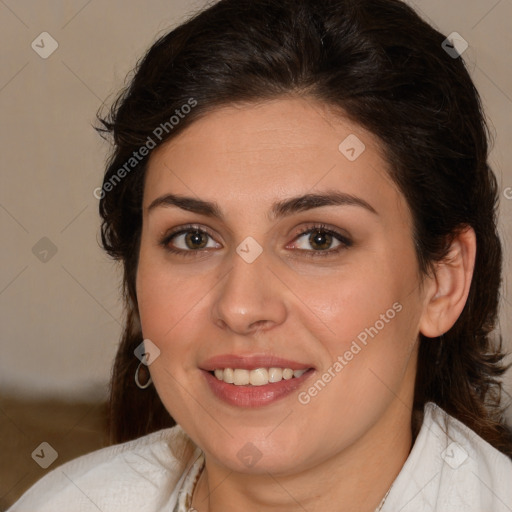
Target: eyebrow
278	210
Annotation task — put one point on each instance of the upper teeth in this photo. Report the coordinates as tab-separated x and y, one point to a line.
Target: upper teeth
257	377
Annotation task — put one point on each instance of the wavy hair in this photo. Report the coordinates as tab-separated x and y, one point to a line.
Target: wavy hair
384	68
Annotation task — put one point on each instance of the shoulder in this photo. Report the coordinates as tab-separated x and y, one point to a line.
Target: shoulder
464	448
451	468
137	475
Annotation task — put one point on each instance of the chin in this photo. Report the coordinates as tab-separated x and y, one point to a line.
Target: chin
261	453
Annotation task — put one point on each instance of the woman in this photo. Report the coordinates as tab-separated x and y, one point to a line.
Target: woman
300	197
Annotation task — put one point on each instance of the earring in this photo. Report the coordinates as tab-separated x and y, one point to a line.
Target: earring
137	381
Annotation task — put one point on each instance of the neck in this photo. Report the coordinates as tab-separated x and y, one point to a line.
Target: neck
357	478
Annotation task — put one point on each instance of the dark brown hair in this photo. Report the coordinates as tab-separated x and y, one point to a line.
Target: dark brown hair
385	68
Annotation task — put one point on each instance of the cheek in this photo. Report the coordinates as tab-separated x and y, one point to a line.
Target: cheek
172	311
369	318
151	296
352	302
369	348
162	297
167	306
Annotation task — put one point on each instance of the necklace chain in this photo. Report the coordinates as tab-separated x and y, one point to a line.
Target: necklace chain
383	500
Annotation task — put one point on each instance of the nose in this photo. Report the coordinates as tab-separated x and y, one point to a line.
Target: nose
250	298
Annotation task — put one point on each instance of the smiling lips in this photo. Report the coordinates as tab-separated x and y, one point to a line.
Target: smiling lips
257	377
255	380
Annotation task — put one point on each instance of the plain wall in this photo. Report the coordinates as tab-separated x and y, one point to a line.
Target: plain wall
61	318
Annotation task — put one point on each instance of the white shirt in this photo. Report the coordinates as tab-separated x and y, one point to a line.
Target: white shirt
449	469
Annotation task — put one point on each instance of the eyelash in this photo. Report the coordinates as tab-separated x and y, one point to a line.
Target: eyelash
344	241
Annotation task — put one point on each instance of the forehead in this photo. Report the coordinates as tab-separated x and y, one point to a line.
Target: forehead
253	154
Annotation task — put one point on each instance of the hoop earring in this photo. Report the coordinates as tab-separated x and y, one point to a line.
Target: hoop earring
137	381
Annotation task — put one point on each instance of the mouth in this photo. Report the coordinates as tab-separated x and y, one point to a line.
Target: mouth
255	380
256	377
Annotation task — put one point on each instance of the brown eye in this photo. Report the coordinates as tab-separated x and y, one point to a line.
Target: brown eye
319	240
188	239
196	239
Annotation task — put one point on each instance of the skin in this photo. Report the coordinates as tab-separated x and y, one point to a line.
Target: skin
347	445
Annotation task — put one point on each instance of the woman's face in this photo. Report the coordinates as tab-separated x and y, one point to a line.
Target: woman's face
247	289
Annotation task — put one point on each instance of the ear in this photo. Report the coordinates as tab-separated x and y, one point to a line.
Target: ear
447	291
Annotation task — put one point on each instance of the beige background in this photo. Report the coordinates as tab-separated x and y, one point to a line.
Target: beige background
61	318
